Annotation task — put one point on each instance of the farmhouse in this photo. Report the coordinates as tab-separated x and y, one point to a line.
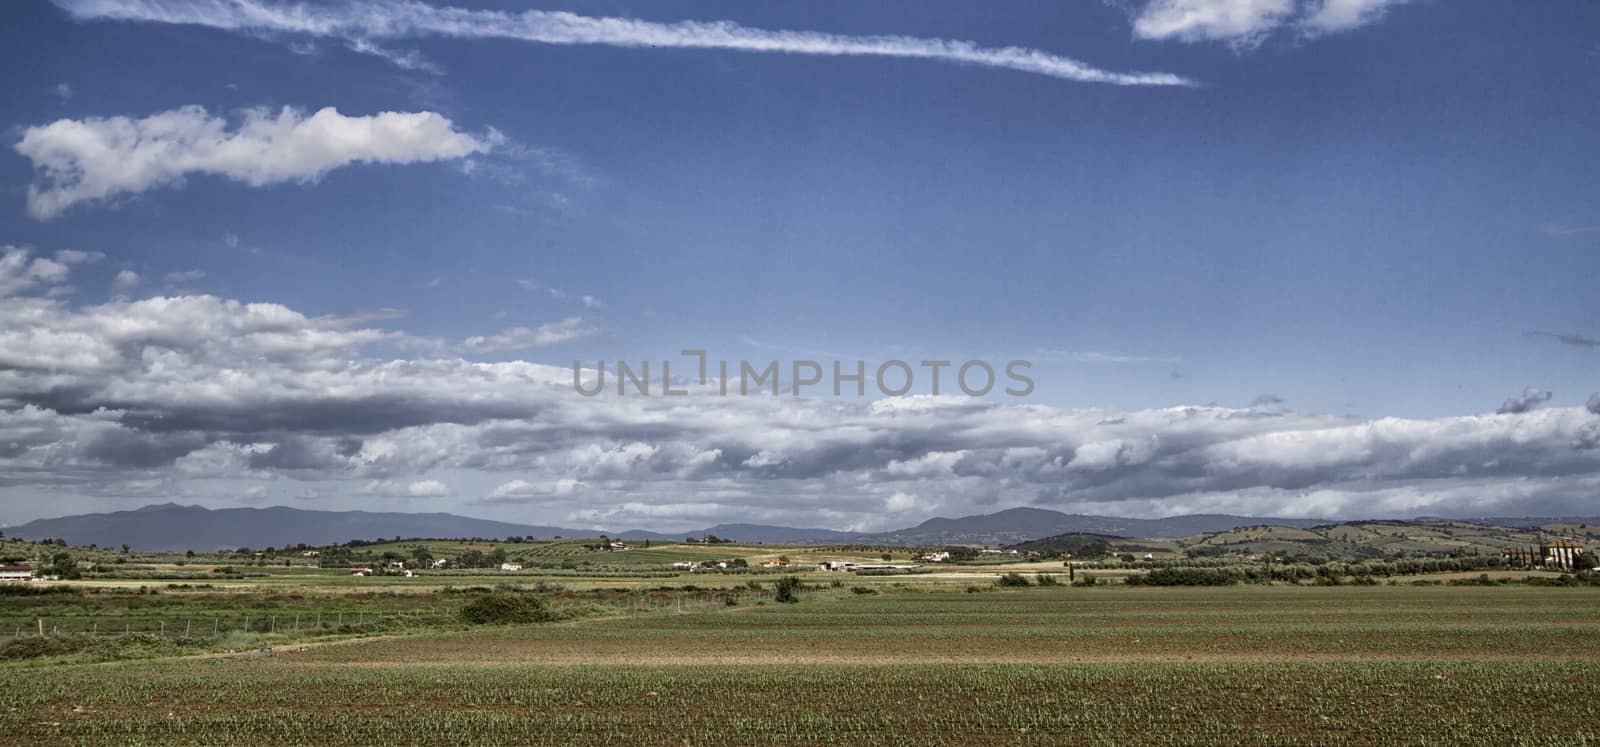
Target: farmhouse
683	565
936	557
511	567
361	571
1555	555
15	572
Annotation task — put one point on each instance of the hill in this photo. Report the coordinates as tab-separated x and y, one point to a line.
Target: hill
173	527
1021	524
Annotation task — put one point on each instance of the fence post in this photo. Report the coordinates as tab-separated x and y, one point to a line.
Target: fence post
41	627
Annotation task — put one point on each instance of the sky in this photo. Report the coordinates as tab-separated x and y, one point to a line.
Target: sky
1309	258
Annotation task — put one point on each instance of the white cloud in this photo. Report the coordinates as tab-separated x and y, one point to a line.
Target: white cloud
415	489
1091	356
170	391
185	276
1243	24
1333	16
363	22
97	159
590	302
125	282
20	272
524	338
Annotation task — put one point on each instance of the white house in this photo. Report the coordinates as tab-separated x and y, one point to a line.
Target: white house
441	563
683	565
511	567
15	573
936	557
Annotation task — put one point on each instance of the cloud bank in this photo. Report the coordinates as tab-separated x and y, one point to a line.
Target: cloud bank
134	399
97	159
362	24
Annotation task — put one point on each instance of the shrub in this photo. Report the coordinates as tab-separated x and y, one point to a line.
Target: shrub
502	608
862	590
788	589
1045	579
1013	579
1186	577
1087	580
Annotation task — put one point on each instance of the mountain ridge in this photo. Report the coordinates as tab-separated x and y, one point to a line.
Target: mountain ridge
171	526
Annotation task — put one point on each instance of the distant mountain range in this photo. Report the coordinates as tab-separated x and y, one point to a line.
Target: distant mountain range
170	526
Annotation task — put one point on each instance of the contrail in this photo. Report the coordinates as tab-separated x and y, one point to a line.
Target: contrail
365	22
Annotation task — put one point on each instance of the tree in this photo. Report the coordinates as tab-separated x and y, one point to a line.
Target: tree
887	557
64	565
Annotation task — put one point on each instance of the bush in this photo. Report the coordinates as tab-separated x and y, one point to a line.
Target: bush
788	589
1045	579
1186	577
506	608
862	590
1013	579
1087	580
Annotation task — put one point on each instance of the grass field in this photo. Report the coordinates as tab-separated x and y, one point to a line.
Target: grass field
1106	665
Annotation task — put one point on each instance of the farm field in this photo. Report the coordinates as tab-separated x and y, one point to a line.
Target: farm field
908	665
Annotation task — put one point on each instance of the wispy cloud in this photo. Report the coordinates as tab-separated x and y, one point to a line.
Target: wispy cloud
1095	356
525	338
186	276
1561	232
364	23
1574	340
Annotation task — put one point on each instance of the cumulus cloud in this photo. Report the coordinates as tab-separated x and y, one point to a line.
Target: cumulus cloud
163	392
1245	23
101	158
125	282
365	23
1530	398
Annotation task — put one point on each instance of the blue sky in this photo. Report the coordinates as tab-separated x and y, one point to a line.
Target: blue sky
1345	212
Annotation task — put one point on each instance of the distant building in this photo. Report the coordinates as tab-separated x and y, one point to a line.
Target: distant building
1554	555
936	557
15	572
511	567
